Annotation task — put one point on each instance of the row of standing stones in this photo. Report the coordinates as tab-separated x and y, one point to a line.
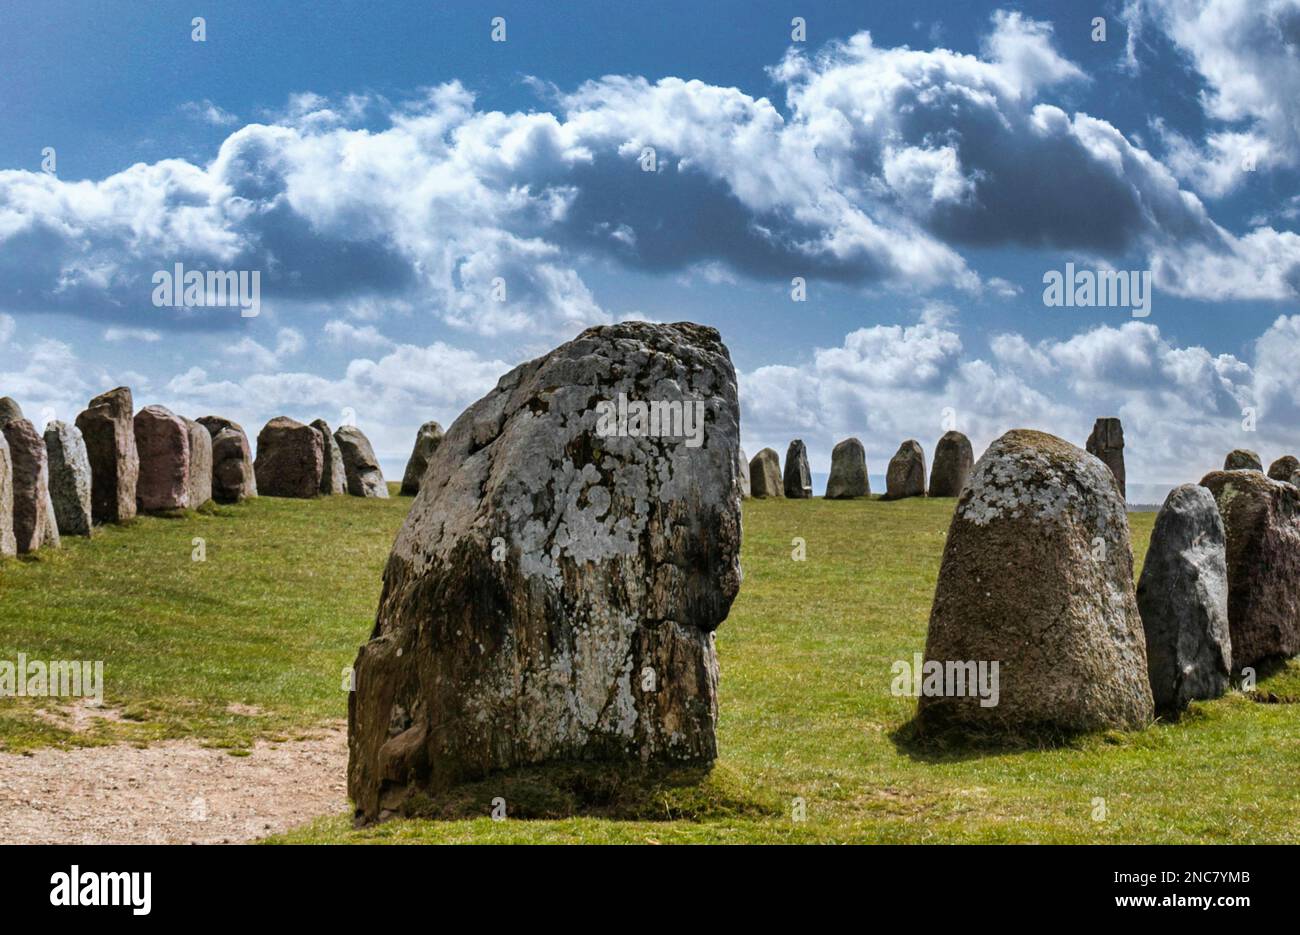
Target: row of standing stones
762	477
115	462
553	592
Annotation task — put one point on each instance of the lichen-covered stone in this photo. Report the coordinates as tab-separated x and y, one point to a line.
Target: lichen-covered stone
1242	459
1284	468
8	544
108	430
162	440
69	472
33	512
333	476
848	476
1107	443
553	592
798	478
1037	575
905	476
290	459
427	440
953	460
1183	599
361	467
233	477
1261	518
200	468
765	475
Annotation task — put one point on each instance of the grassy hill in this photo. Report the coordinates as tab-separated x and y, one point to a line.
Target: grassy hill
252	642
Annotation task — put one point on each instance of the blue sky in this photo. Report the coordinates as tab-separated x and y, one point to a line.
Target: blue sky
920	165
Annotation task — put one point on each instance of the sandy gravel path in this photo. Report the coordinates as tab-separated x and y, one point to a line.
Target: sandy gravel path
175	792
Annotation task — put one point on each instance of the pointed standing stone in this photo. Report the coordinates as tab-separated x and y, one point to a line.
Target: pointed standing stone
200	467
905	476
798	479
365	479
69	470
848	471
743	464
765	475
953	460
427	440
8	543
108	429
1107	443
333	477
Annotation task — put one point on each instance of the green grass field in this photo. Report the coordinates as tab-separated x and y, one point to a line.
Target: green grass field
267	623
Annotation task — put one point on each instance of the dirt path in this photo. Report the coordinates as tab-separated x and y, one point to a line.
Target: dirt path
171	793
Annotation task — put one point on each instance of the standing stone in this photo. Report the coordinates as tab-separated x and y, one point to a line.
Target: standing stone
798	479
9	410
905	476
108	430
1242	459
848	471
552	594
427	440
765	475
8	544
233	478
1284	468
1037	575
1107	443
1261	518
69	472
742	463
333	477
953	459
364	477
33	513
200	471
1183	599
163	442
290	459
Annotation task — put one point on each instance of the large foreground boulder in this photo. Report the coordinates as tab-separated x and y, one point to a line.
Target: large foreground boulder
290	459
765	475
1037	576
1183	599
798	478
1107	443
69	472
848	471
1261	518
905	476
163	441
953	460
1284	468
427	440
333	476
108	430
33	512
200	469
8	544
360	465
742	463
552	594
1242	459
233	478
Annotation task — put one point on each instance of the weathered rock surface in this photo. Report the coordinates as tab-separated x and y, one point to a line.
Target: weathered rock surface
360	465
1183	599
108	429
1107	443
848	471
1284	468
200	471
69	476
552	594
798	478
1261	518
290	459
9	410
1242	459
427	440
8	544
162	440
233	478
905	476
333	477
1037	575
743	464
765	475
953	460
33	513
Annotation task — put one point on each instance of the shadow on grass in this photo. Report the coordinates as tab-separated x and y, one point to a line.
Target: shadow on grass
592	790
